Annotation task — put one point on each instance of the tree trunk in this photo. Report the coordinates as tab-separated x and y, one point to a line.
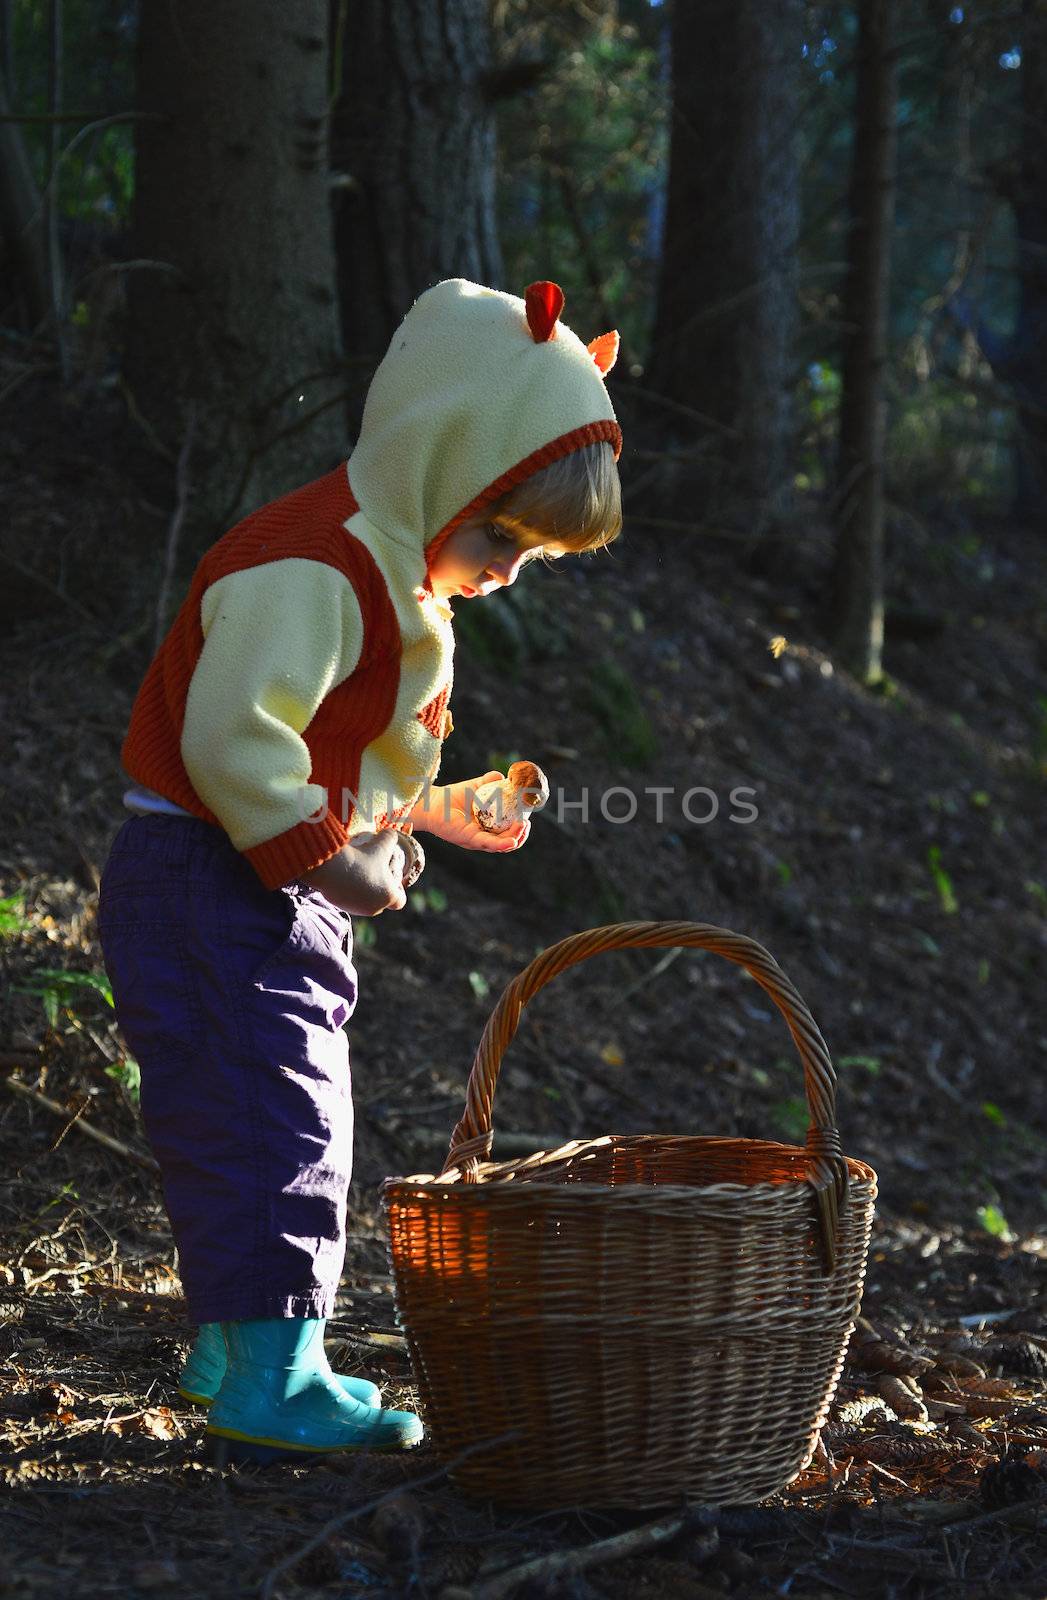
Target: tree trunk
727	292
233	325
1030	335
857	598
414	137
21	218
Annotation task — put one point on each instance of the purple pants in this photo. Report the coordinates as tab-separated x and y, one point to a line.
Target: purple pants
233	998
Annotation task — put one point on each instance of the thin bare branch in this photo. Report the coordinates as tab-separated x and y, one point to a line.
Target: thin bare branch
116	1145
174	531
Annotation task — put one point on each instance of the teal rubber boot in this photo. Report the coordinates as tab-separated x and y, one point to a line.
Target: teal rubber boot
279	1400
203	1372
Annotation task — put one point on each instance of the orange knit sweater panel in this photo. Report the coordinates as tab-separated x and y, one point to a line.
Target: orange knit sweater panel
308	524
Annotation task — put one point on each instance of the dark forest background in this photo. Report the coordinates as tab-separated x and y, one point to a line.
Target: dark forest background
819	228
822	232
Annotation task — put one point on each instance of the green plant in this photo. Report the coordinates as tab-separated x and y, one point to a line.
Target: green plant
1039	735
993	1221
128	1075
791	1116
1038	892
61	990
427	900
870	1063
614	701
364	935
511	629
12	915
501	760
942	881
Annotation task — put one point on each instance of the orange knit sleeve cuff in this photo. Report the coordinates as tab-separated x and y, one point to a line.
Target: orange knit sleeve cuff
281	860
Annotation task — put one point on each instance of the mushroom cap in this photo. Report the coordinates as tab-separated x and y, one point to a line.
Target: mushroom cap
414	859
524	775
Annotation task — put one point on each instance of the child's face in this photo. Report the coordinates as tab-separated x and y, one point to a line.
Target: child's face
478	558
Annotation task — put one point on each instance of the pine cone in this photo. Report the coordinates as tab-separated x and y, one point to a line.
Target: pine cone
905	1403
875	1355
864	1411
1017	1354
1012	1480
909	1450
455	1564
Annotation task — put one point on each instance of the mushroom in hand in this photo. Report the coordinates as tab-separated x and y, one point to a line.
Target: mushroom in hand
414	859
498	806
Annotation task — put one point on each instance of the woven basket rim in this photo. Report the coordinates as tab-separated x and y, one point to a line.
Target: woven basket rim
503	1173
499	1177
572	1192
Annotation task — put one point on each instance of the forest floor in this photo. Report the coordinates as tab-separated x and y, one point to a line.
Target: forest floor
896	869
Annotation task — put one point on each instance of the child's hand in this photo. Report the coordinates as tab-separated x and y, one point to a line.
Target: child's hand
366	877
449	814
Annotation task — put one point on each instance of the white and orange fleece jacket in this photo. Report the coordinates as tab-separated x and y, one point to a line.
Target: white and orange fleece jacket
301	694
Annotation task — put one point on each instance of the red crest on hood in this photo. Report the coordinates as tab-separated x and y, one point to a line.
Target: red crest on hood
543	302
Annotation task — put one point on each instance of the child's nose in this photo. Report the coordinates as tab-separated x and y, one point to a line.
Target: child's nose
505	568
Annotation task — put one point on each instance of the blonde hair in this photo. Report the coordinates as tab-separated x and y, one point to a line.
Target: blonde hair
574	504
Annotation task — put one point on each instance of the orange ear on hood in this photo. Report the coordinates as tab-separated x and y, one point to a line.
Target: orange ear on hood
543	303
604	350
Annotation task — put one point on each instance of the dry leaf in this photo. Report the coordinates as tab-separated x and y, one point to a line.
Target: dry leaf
957	1366
53	1399
985	1388
977	1406
159	1423
940	1410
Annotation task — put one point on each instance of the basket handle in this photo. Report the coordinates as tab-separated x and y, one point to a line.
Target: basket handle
826	1167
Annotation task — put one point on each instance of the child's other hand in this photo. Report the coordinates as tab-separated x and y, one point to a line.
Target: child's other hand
366	877
449	814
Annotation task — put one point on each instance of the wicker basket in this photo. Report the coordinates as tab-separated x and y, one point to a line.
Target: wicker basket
630	1320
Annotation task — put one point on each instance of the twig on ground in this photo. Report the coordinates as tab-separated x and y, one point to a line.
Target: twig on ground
565	1563
319	1538
1001	1514
656	971
116	1145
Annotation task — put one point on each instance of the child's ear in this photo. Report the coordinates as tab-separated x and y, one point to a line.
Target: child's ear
604	350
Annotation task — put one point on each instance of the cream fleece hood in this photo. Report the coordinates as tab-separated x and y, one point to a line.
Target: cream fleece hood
470	398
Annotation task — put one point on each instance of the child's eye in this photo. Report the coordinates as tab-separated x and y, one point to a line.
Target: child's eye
498	535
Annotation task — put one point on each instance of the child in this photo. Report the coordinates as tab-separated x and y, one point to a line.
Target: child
286	734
